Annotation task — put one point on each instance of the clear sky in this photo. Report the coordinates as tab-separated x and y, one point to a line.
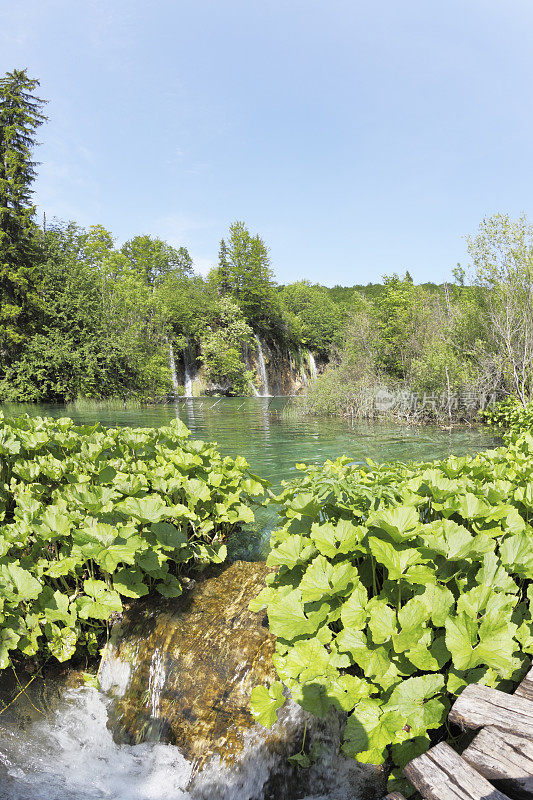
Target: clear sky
357	138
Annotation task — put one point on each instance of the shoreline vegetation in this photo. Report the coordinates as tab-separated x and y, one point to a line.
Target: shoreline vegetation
91	517
397	585
83	317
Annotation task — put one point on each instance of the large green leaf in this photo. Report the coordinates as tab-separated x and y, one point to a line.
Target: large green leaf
322	579
99	602
490	643
129	582
394	559
286	616
400	523
18	584
145	509
266	702
294	550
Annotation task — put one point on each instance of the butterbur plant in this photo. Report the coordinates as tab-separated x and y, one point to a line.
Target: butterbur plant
396	586
509	415
91	517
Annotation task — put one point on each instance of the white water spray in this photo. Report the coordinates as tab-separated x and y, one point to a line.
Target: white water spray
72	756
188	366
312	365
262	368
172	365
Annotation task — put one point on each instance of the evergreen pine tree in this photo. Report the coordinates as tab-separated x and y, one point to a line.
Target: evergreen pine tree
20	116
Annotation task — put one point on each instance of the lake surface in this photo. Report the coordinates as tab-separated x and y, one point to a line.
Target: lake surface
273	439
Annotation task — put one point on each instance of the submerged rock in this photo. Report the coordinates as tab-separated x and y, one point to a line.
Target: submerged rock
182	672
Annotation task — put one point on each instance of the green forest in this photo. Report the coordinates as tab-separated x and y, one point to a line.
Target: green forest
82	316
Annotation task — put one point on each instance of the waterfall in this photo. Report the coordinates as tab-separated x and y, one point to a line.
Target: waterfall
262	368
172	365
302	369
312	365
188	366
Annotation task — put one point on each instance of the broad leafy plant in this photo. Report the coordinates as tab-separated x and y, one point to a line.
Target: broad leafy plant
510	415
395	587
92	516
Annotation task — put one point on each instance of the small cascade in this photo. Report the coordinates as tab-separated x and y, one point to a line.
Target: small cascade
172	365
182	671
189	369
262	368
303	373
312	365
176	724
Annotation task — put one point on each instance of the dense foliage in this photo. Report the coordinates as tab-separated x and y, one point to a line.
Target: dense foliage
90	517
398	585
81	317
510	415
448	348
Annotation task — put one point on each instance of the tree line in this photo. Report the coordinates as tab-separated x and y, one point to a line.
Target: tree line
81	316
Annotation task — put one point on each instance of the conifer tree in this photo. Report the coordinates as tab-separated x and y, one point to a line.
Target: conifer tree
20	116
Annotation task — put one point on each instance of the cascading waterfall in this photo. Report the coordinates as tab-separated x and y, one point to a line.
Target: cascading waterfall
302	369
172	365
312	365
188	366
262	368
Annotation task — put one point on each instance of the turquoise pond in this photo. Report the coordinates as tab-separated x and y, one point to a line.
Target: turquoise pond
273	438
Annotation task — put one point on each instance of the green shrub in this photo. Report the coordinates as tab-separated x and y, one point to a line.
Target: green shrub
398	585
90	516
510	415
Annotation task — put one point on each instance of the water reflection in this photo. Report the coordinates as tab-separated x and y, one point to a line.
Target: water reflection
273	440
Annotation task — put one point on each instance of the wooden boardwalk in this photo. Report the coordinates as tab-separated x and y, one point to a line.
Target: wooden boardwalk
497	765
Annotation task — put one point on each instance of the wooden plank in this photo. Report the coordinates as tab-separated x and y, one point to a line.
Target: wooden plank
478	706
525	689
441	774
504	759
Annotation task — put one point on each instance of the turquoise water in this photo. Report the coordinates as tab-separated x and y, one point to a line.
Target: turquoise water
273	439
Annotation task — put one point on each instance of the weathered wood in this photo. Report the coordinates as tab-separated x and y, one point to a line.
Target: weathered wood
441	774
504	759
478	706
525	689
394	796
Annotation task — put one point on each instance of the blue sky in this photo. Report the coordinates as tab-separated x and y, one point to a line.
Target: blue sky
357	138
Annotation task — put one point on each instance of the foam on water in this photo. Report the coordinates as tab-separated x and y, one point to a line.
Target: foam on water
72	756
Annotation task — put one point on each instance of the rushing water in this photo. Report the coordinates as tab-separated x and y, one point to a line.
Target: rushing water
68	753
262	368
